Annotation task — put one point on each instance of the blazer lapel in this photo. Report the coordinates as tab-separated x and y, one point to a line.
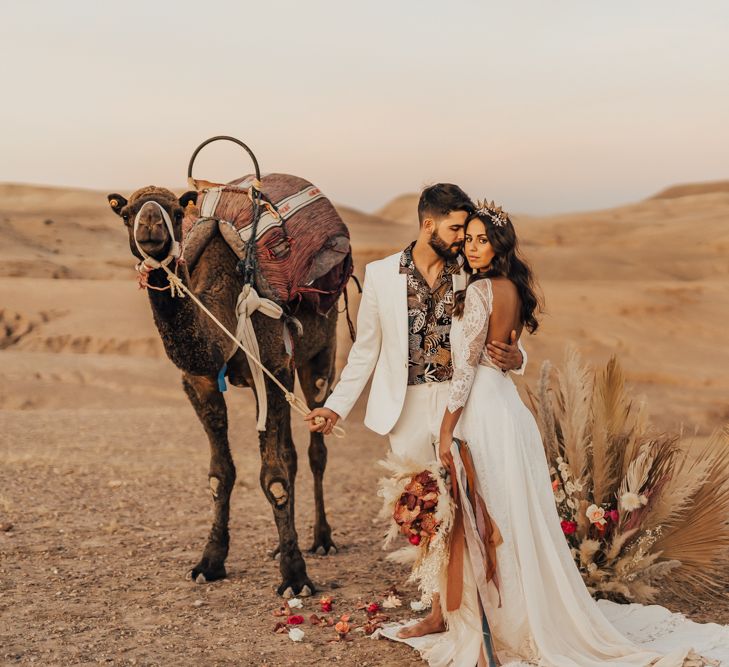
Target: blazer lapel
400	294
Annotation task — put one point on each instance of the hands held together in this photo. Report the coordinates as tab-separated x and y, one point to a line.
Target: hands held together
506	356
322	420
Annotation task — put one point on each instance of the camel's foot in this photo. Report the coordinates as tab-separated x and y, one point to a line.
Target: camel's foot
295	582
276	554
323	544
303	588
206	571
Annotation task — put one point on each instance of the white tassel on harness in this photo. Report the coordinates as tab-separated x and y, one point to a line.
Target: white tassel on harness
248	302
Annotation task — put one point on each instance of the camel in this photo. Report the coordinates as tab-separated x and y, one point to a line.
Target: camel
199	349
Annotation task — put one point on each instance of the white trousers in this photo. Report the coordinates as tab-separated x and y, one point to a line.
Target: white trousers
417	431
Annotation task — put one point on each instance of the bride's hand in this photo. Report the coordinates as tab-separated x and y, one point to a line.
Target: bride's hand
444	451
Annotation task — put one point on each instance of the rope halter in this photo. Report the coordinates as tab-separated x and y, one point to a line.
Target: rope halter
149	263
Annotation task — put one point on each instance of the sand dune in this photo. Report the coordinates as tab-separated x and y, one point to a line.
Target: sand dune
692	189
403	209
71	234
683	238
647	281
373	231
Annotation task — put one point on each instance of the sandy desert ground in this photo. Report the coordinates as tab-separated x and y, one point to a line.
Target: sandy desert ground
103	467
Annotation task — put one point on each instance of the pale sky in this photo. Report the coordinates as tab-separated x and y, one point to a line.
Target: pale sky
543	105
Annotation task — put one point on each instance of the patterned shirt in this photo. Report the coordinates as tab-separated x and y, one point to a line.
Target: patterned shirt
429	321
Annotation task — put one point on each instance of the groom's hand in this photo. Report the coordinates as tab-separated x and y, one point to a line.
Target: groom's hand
322	420
507	356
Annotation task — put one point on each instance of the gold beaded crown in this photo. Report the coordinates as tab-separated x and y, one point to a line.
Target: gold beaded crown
498	216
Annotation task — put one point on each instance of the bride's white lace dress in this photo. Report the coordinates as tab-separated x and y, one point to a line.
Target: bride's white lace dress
546	617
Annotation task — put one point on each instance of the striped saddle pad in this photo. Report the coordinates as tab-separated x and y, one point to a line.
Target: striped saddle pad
303	247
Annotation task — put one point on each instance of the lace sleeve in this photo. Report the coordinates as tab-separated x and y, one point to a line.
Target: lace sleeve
467	350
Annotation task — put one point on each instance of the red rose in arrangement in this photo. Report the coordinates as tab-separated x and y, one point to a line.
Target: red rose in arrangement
295	620
415	510
568	527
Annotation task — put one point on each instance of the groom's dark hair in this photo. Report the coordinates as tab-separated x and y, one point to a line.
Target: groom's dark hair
441	199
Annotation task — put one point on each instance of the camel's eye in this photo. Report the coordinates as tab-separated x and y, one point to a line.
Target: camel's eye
178	215
125	218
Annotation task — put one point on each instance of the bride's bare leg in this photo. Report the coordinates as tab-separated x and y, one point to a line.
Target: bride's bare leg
433	622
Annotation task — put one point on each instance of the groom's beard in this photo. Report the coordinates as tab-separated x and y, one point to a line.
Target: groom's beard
442	249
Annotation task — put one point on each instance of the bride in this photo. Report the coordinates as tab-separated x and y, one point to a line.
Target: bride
532	608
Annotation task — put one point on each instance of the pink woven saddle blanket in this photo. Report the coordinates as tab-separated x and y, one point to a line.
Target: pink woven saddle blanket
303	246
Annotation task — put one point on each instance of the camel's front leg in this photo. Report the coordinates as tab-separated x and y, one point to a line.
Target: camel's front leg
278	474
210	407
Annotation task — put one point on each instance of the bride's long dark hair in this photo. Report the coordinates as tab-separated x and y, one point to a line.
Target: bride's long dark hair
509	263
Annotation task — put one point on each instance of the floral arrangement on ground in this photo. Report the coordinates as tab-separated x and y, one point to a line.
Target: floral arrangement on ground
643	512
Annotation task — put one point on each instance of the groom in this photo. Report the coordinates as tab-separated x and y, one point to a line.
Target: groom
403	328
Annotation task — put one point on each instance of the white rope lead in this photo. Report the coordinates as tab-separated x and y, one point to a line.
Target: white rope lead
295	402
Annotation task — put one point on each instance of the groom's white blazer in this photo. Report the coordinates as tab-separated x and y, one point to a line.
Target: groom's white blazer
382	346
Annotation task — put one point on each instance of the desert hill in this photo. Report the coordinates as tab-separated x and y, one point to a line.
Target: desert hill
50	232
647	281
689	189
634	242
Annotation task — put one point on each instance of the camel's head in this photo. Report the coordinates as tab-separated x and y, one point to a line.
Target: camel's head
152	232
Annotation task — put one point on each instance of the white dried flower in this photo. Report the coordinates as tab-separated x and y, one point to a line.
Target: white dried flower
632	501
391	601
596	515
296	634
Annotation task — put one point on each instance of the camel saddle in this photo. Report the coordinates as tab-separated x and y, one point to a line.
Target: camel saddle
303	250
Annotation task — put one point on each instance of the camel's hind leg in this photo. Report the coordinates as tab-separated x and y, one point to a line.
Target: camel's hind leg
316	376
210	407
278	476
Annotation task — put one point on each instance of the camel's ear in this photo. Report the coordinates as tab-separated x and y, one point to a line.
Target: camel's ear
189	196
117	202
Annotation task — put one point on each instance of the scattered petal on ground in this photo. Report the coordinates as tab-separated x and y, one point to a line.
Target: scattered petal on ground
296	634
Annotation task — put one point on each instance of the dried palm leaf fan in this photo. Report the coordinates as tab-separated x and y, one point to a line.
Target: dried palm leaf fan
642	511
292	244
